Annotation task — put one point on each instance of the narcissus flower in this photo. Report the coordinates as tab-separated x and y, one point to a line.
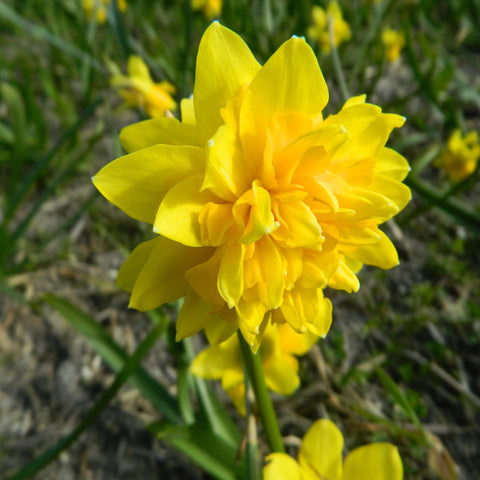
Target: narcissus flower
320	457
210	8
319	31
98	9
278	349
139	90
394	41
461	156
258	201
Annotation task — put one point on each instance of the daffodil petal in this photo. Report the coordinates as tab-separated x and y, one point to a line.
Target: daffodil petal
137	182
221	326
162	278
290	81
266	269
230	275
207	290
281	466
293	342
391	164
298	226
355	100
227	174
307	309
161	130
280	375
380	461
131	268
177	216
321	450
187	111
344	278
381	254
193	316
137	68
215	360
397	192
225	65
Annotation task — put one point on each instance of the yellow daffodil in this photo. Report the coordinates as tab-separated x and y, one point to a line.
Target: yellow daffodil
320	457
277	351
461	156
210	8
394	41
319	31
98	8
138	89
259	202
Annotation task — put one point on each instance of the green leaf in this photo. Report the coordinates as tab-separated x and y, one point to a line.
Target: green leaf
202	446
116	357
214	412
398	396
453	207
16	110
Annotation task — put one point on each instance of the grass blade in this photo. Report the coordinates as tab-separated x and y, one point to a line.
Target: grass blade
116	357
130	366
202	446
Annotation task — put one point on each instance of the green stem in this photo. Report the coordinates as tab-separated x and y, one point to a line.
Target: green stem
253	366
452	206
253	464
337	66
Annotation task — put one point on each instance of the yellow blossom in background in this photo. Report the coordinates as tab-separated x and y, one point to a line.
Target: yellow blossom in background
394	41
320	457
277	351
139	90
210	8
461	156
259	203
319	30
98	8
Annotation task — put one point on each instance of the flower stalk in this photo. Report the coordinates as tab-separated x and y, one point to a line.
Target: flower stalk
253	366
336	62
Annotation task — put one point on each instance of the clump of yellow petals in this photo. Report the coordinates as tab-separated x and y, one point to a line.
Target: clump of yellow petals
139	90
210	8
98	9
258	201
320	457
319	31
277	352
394	41
461	155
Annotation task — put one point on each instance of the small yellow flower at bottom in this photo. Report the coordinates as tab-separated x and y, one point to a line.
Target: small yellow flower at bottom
394	41
210	8
277	351
320	457
319	30
461	156
138	89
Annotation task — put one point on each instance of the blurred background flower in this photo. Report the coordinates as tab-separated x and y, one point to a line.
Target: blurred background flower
461	155
394	41
210	8
319	31
97	9
139	90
